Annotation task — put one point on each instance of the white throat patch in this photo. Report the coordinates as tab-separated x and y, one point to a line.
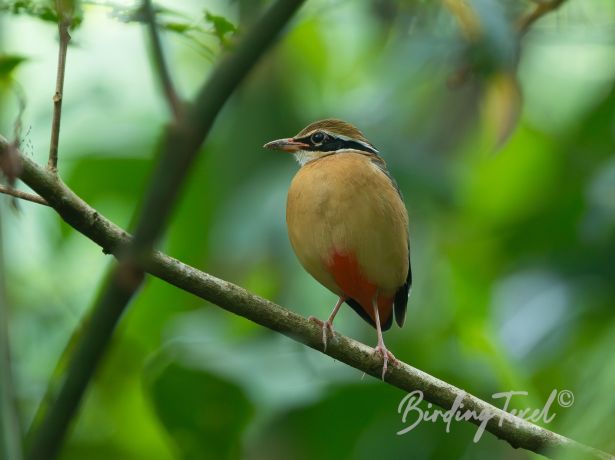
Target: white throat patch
305	156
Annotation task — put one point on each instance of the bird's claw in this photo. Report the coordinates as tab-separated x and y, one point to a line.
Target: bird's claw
386	357
325	325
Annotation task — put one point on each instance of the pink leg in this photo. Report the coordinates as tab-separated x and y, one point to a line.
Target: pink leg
329	323
381	348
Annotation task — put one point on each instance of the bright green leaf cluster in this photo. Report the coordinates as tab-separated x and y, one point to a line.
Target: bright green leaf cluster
44	10
175	21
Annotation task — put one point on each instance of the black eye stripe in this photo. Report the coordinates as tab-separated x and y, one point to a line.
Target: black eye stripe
331	144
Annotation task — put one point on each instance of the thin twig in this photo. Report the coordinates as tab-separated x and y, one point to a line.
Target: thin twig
64	21
180	147
23	195
161	65
517	432
539	11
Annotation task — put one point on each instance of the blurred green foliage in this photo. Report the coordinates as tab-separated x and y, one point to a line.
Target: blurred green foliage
513	250
8	63
206	419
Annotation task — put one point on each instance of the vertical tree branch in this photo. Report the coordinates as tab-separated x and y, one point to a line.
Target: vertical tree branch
182	142
64	20
161	65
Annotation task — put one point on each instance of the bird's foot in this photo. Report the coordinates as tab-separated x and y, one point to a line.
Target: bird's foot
387	357
325	325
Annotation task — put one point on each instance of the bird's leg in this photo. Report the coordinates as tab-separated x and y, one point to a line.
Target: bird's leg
381	348
329	323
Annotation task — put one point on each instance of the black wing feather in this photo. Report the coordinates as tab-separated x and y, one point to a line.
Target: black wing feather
401	298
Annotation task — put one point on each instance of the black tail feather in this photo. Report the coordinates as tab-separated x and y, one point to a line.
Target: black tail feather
356	306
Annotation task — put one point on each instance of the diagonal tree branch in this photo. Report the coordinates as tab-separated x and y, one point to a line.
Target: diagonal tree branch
541	8
517	432
182	141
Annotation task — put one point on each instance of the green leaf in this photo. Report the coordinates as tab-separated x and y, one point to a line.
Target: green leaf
177	27
221	26
8	63
204	414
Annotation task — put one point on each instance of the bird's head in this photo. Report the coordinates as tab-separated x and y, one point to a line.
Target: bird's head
322	138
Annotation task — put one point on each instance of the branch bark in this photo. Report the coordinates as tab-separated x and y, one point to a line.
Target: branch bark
517	432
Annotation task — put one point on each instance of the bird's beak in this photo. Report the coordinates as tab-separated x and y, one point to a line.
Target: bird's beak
286	145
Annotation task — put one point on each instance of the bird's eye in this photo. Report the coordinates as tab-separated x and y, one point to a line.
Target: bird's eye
318	137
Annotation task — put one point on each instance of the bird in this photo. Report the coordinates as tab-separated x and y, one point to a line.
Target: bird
348	225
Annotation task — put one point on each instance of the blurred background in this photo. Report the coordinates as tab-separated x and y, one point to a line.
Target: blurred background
503	148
